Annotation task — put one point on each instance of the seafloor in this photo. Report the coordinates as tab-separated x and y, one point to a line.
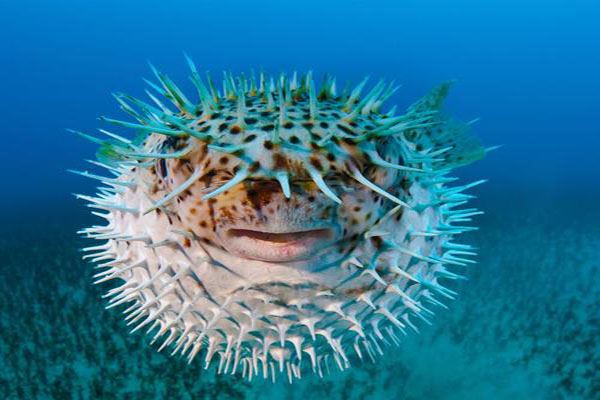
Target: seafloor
526	324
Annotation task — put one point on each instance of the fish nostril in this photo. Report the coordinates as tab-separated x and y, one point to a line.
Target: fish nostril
265	185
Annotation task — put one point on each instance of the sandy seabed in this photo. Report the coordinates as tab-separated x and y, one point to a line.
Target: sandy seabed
526	325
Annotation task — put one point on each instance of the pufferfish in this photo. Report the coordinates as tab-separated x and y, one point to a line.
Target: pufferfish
270	227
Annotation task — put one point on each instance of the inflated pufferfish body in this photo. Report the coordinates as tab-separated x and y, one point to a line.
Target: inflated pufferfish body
275	228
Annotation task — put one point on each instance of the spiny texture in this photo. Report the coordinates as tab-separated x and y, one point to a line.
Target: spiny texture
201	201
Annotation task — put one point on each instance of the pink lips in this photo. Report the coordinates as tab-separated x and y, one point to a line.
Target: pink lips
277	246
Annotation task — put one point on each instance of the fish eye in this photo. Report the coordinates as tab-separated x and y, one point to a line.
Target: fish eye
161	167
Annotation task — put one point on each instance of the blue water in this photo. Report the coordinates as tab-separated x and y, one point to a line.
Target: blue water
527	324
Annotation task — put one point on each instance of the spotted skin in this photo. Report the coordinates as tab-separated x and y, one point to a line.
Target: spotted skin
256	201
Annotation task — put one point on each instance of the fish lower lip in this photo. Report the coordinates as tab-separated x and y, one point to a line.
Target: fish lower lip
276	246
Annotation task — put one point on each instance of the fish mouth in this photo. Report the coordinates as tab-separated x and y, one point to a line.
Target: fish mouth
271	246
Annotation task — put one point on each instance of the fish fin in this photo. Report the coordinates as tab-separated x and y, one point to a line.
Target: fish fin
432	101
463	147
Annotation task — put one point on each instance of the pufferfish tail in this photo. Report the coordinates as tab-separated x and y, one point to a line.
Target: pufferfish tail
460	145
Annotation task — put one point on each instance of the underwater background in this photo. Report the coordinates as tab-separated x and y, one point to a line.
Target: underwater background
526	324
